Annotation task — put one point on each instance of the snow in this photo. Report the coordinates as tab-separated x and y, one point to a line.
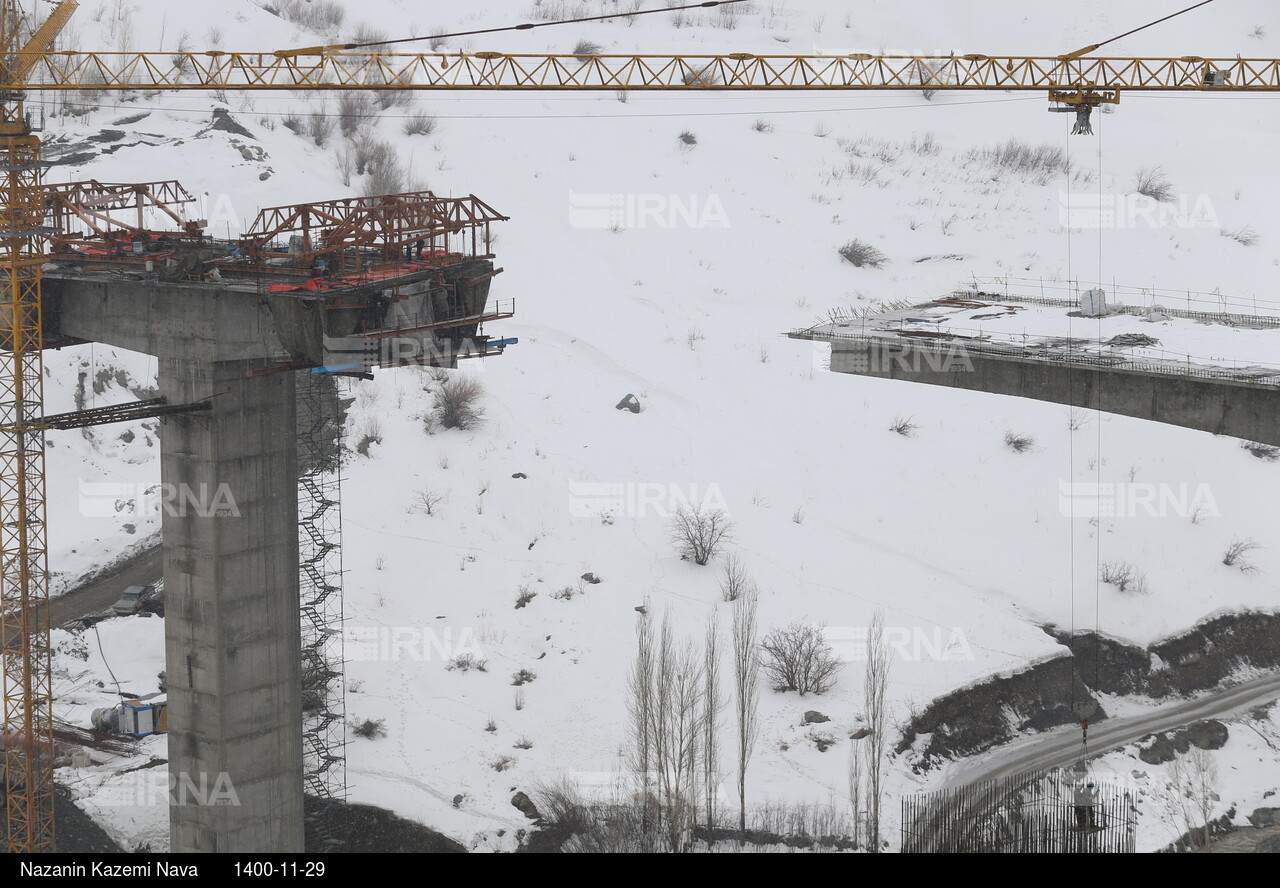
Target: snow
947	532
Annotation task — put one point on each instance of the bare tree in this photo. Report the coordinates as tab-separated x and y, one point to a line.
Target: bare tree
875	683
855	785
677	705
798	658
746	691
640	710
733	579
698	531
712	704
1192	787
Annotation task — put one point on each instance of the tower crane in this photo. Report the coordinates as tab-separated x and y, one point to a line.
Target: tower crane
1075	81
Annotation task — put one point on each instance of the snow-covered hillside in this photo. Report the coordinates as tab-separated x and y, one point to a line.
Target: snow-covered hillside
959	540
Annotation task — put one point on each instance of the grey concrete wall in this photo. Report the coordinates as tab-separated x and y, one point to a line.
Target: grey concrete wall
232	644
1223	407
162	319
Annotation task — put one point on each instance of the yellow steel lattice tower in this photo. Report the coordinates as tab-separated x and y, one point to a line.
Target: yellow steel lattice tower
24	570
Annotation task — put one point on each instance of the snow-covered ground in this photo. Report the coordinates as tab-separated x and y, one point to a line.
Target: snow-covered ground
963	543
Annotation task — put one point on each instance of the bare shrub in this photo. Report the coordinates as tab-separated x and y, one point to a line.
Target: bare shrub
1153	183
926	145
355	109
698	531
688	138
701	77
1261	451
583	50
904	426
467	662
370	728
1125	577
862	254
429	500
798	658
420	123
523	743
617	825
293	122
524	595
316	15
456	402
369	152
1234	555
762	126
1018	443
387	176
1039	163
320	126
1244	235
523	677
502	763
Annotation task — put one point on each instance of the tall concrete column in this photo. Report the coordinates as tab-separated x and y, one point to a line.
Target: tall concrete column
231	609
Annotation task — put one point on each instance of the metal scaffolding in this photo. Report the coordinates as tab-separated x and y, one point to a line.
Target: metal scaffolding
320	586
1026	814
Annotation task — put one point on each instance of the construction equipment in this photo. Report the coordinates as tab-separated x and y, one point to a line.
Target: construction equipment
137	718
1075	81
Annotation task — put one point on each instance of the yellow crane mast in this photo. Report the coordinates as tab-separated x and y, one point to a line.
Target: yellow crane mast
1076	80
24	563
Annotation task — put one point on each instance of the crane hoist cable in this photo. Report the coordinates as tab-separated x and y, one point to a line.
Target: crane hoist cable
1088	49
526	26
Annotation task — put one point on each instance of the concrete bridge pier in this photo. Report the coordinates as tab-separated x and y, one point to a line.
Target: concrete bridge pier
230	524
231	609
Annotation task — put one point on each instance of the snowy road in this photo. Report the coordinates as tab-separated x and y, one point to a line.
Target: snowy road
1062	746
97	595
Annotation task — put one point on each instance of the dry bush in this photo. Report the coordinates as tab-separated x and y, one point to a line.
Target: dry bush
420	123
325	16
1244	235
798	658
862	255
370	728
1234	555
1018	443
467	662
697	532
320	126
1125	577
1261	451
1151	182
524	594
585	49
355	109
456	402
903	426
